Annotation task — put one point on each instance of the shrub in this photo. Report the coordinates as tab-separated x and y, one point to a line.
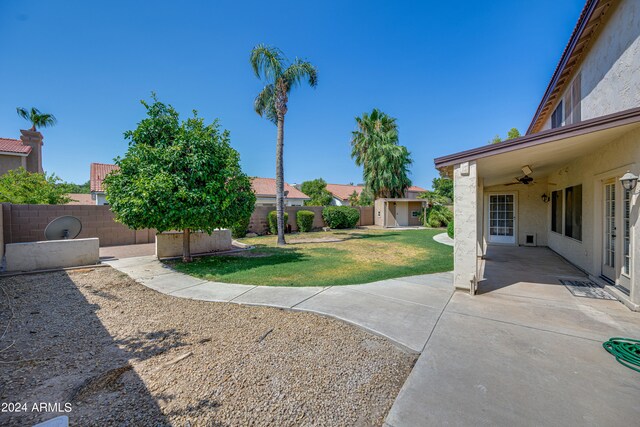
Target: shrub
239	229
304	219
340	216
272	220
437	216
450	229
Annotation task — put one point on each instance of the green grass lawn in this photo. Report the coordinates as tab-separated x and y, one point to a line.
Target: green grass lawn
327	258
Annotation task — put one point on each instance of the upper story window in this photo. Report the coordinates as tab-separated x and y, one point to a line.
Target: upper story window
569	110
557	116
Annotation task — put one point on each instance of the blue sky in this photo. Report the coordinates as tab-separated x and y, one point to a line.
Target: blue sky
454	74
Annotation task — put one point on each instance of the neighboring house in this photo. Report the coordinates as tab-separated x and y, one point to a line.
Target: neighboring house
400	212
265	189
340	193
98	172
25	152
81	199
583	138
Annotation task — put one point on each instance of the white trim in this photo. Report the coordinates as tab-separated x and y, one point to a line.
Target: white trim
12	153
487	218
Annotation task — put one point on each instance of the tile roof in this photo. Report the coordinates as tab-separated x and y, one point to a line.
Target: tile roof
80	199
415	188
267	187
98	172
14	146
343	191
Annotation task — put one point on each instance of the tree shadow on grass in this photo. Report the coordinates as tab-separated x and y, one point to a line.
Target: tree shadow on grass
261	256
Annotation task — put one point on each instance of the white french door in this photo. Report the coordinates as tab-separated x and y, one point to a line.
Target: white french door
502	218
609	228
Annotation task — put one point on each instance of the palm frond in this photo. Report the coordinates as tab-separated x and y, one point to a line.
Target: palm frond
22	112
264	104
298	71
267	62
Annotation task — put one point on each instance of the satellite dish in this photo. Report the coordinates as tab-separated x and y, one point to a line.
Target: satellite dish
62	228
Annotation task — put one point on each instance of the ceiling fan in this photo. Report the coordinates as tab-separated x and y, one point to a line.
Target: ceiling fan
526	179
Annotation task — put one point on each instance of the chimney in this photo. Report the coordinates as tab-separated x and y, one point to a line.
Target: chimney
33	139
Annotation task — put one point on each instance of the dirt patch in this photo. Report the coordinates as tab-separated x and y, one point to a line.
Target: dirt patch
378	253
122	354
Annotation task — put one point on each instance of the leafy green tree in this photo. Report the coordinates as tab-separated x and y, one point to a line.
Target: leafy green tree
21	187
366	197
443	186
513	133
374	146
279	76
37	119
317	190
354	199
70	187
434	198
179	175
496	139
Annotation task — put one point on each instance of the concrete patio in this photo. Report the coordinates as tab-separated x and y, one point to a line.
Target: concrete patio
525	352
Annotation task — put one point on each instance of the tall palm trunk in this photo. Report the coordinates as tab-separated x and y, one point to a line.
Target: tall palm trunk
280	180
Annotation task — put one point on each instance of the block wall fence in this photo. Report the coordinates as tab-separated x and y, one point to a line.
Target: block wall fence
26	223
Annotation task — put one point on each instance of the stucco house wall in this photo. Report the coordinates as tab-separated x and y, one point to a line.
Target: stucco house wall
530	210
589	170
610	81
8	163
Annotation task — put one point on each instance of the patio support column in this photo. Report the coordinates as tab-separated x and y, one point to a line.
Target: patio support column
465	214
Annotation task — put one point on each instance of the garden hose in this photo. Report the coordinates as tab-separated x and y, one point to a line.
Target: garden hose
626	351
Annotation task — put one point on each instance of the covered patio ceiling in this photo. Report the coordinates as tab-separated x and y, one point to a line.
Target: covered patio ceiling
544	152
544	159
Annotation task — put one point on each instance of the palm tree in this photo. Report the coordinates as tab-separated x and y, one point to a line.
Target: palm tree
37	119
374	146
270	65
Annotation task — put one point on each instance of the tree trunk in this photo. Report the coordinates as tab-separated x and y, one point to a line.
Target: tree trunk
186	245
280	181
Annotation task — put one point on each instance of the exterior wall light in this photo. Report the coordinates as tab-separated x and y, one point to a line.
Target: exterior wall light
629	181
545	198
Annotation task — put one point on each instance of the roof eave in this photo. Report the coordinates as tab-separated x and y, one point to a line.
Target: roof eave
612	120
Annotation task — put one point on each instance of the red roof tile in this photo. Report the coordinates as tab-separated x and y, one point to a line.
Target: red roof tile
343	191
415	188
80	199
14	146
267	187
98	172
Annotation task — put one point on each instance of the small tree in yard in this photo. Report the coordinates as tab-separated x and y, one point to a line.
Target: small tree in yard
179	175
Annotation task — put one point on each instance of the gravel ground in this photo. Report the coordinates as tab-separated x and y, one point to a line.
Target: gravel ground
122	354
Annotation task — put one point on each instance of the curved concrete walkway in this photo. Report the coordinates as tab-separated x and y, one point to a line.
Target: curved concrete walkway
444	239
404	310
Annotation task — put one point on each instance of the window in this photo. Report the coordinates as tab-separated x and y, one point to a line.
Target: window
556	211
573	212
556	117
627	232
569	109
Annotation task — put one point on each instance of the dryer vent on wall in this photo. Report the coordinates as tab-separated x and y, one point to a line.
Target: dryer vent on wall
530	239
